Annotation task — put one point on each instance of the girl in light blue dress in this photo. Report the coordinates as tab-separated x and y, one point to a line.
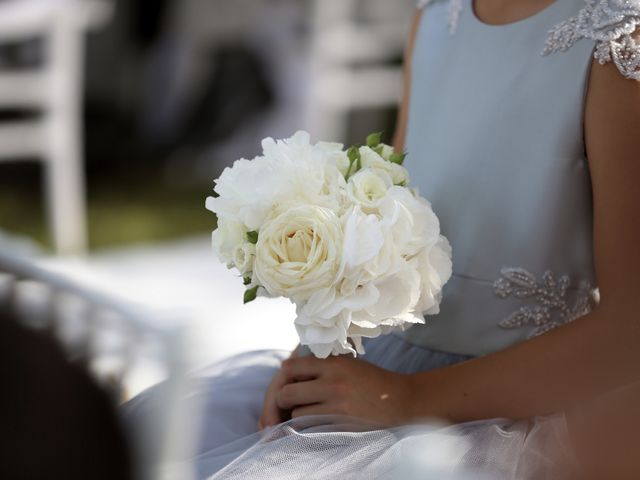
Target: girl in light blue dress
522	124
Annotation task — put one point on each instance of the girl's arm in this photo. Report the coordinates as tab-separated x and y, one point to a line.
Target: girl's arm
604	436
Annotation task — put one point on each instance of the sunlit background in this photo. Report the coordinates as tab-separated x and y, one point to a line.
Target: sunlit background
116	116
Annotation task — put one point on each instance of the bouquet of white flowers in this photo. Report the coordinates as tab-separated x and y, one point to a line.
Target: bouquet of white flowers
338	232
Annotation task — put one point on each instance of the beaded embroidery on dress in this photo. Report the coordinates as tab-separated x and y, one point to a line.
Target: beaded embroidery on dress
611	24
552	306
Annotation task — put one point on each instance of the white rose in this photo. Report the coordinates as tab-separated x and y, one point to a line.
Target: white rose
368	187
299	252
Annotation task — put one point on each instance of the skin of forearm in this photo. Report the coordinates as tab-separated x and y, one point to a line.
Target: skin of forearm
547	374
603	435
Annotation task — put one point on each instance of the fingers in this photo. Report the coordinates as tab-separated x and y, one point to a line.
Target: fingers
295	369
300	369
271	414
301	393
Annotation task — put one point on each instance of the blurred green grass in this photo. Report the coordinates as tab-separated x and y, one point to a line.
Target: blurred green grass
120	211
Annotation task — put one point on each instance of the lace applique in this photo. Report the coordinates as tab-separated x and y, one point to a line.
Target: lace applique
455	9
552	309
610	23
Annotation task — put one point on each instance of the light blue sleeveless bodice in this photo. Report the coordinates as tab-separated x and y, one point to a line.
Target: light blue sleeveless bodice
495	142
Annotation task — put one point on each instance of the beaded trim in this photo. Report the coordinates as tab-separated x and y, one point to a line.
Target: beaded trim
455	9
611	24
552	309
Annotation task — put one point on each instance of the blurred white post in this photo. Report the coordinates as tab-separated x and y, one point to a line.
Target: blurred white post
64	166
56	90
350	61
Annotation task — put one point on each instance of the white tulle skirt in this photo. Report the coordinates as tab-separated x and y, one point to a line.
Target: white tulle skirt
229	396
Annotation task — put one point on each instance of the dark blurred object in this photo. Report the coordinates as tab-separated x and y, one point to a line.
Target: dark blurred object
235	88
56	423
22	55
147	19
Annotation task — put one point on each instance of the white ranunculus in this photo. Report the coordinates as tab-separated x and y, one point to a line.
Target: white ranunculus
227	237
243	257
369	250
291	171
397	295
311	174
387	151
245	191
435	267
299	252
399	175
322	324
368	187
333	324
370	159
335	154
411	221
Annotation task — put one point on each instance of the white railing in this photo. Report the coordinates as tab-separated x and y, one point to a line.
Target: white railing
98	316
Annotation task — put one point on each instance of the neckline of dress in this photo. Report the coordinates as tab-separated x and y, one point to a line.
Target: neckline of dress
505	26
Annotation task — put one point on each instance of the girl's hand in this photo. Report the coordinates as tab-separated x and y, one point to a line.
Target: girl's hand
271	413
343	386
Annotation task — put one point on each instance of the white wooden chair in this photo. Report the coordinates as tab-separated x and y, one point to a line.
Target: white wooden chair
55	89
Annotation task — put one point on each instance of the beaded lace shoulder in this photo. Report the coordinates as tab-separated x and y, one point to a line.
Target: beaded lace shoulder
455	8
611	23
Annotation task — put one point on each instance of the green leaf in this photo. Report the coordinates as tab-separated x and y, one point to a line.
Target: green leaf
252	237
246	280
397	158
251	294
379	149
374	139
354	157
353	153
